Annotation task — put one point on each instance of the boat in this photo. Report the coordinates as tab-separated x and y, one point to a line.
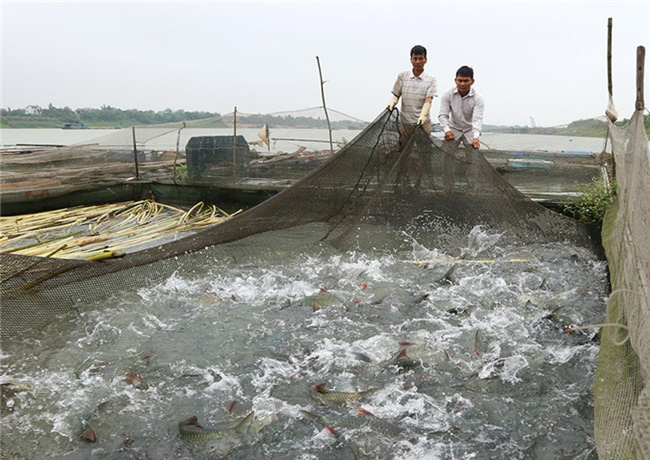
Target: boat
74	125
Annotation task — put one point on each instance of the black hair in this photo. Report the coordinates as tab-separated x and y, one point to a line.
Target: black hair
465	71
419	49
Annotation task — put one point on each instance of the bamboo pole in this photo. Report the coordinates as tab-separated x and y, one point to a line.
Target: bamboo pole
135	154
322	92
132	225
610	86
302	140
640	65
610	90
178	141
234	143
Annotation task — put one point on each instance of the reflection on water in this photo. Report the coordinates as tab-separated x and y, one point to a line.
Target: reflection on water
493	368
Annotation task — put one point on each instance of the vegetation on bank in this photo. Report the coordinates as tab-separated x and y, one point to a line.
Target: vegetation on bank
592	204
104	117
111	117
591	127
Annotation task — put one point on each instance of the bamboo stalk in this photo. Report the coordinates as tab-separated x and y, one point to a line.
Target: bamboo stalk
120	226
322	92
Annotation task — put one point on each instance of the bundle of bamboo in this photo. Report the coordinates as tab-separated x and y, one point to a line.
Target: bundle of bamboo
104	231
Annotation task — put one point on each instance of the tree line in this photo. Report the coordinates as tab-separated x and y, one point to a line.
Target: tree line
107	116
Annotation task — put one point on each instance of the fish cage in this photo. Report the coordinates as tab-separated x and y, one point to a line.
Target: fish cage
406	274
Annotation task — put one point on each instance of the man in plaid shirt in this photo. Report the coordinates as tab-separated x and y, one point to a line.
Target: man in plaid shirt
417	90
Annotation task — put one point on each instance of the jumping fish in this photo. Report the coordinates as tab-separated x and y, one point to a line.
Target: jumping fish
450	277
321	299
228	434
347	421
404	361
338	397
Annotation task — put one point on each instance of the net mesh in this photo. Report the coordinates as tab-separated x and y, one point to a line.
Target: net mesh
379	187
101	162
622	397
189	153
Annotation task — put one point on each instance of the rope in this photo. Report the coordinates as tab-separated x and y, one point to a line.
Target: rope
622	326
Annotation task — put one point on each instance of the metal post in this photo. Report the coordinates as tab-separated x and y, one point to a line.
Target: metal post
135	154
234	143
322	92
640	64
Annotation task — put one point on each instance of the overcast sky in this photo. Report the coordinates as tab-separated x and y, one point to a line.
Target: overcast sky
545	60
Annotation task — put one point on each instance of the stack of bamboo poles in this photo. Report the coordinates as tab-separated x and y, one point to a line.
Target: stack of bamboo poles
104	231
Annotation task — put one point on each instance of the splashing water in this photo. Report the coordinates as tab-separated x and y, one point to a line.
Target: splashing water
493	371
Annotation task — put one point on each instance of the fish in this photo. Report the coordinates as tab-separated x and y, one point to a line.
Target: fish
450	277
135	379
376	424
323	298
89	434
229	434
415	355
338	397
404	361
362	357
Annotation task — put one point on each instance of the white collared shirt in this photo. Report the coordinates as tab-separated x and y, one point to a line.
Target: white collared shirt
413	91
462	114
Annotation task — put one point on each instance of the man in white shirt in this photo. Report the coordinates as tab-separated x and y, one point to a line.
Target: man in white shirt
461	110
417	90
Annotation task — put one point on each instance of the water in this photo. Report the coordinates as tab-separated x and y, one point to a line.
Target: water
499	373
11	137
499	141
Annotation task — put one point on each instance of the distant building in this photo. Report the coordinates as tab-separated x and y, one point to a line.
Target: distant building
33	110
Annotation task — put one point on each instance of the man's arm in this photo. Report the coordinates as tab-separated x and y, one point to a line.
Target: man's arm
426	108
477	120
443	116
433	89
396	93
392	103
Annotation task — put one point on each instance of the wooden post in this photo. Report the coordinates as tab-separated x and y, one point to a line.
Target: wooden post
322	92
640	64
610	87
135	154
234	143
178	141
610	90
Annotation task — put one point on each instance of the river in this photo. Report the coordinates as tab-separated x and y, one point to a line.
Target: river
499	141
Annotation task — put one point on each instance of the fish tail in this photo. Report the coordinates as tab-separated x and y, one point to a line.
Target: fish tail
311	415
245	423
332	431
367	392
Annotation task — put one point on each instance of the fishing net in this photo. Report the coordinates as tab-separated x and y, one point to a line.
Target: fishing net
144	153
137	162
380	187
622	397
